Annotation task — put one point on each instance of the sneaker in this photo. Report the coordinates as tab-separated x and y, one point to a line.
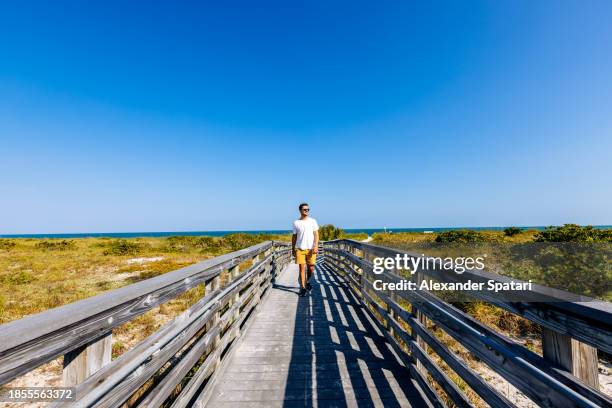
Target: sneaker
302	292
309	286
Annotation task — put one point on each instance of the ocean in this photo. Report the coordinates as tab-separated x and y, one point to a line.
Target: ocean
368	231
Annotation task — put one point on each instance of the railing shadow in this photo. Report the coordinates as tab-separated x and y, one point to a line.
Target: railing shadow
294	289
339	357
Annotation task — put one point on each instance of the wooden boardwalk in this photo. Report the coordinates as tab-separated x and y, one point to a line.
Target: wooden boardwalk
321	350
250	341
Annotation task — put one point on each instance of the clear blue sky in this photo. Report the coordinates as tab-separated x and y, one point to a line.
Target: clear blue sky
137	116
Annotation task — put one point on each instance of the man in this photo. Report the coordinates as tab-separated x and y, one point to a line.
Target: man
304	244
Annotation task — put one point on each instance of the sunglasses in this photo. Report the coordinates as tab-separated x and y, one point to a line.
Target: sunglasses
305	209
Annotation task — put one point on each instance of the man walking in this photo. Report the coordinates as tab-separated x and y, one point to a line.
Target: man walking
304	244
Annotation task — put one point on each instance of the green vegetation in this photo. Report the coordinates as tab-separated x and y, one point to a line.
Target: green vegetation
574	233
241	240
460	236
123	247
7	244
187	243
512	231
571	257
559	257
62	245
357	236
329	232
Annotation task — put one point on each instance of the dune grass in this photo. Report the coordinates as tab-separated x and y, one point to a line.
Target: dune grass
40	274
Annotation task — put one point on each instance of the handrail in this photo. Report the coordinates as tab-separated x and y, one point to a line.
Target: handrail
544	381
585	319
207	328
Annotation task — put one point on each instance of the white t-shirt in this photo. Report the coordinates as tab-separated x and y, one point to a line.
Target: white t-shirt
305	230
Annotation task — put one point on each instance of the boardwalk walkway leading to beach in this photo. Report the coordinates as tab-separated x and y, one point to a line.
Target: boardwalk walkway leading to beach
321	350
250	341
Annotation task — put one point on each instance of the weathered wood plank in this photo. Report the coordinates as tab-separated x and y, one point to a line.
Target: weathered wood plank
571	355
86	360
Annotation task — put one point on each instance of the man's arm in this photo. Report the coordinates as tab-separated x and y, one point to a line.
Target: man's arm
293	241
315	247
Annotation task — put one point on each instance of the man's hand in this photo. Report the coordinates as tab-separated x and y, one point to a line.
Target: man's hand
294	253
315	250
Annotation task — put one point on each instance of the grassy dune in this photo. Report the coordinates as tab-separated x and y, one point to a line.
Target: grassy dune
39	274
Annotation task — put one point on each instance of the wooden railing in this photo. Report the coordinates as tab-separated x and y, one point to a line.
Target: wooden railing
194	343
565	376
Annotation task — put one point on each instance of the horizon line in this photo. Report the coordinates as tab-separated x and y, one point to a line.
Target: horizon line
272	230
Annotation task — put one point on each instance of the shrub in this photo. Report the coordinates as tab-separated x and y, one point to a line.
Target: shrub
571	257
123	247
62	245
573	233
207	243
17	278
512	231
7	244
241	240
329	232
183	243
460	236
357	236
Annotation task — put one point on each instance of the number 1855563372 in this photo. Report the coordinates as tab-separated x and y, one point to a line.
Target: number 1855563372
37	394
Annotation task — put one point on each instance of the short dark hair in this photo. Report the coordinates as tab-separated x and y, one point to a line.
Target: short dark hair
301	205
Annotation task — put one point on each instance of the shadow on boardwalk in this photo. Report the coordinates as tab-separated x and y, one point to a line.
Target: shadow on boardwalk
321	350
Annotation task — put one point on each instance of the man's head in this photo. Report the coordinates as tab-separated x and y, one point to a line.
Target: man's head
304	209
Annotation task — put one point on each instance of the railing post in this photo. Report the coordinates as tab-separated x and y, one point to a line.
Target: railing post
256	281
571	355
86	360
233	273
366	257
391	313
212	286
418	278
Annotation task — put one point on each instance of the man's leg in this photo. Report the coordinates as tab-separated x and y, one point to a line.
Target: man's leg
311	269
311	259
310	272
302	275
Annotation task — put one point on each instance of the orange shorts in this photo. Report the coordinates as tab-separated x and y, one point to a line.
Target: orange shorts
305	256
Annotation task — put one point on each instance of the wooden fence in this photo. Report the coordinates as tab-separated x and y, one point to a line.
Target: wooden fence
565	376
194	343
